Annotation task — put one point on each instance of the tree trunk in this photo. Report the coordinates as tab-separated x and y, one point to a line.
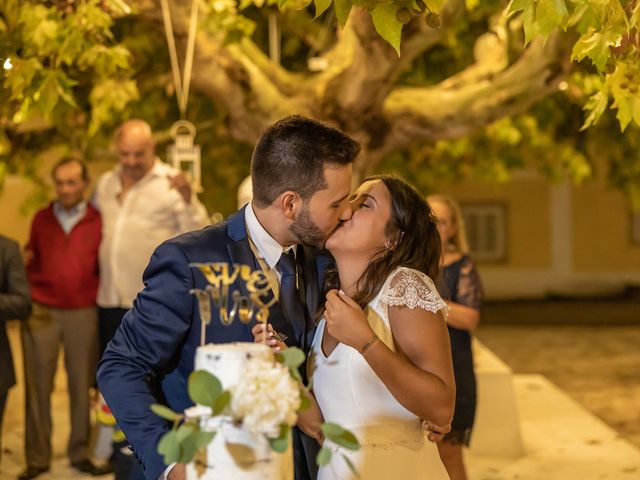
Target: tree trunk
358	92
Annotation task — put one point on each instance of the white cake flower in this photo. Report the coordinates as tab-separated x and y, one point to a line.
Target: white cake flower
265	397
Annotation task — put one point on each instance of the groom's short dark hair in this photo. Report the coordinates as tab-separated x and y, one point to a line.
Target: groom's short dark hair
292	154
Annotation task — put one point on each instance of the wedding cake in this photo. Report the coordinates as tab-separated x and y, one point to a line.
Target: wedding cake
263	397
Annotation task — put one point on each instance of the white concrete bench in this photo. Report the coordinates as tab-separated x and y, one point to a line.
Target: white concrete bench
497	426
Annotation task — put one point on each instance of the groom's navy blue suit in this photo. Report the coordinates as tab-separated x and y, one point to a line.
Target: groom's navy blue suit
152	353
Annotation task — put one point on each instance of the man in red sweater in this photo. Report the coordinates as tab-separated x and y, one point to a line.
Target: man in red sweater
62	267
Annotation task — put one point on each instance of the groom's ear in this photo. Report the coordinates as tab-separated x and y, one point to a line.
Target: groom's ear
290	203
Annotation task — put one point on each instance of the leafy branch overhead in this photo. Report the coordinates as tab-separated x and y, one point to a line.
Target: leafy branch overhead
397	75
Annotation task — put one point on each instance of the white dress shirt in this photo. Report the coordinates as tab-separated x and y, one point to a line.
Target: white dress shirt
150	213
267	247
69	217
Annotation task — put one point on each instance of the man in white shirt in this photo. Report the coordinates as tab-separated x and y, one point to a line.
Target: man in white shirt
143	202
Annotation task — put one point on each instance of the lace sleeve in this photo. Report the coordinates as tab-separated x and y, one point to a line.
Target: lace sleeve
413	289
470	291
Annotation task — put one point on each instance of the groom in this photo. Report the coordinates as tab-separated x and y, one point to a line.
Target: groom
301	174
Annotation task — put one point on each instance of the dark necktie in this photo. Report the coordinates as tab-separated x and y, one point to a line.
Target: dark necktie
290	300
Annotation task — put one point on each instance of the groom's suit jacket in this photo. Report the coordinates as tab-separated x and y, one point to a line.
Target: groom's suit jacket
152	353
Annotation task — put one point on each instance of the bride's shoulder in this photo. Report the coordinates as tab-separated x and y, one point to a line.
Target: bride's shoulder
411	288
409	276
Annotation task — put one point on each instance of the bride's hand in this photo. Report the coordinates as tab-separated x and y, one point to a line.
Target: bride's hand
262	332
436	432
346	321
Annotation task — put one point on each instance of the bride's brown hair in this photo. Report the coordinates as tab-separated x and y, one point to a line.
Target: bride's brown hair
413	241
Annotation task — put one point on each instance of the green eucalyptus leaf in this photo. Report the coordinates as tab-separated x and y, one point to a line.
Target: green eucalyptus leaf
204	388
323	457
291	357
340	436
188	448
223	400
281	443
165	412
203	439
184	431
169	447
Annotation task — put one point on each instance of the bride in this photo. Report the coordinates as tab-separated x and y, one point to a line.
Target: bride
381	360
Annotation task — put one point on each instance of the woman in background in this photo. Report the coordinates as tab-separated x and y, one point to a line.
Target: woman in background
462	289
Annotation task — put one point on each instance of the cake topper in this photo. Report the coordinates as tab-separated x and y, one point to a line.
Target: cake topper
246	308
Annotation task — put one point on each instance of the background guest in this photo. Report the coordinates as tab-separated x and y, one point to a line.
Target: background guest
143	202
462	289
15	304
62	267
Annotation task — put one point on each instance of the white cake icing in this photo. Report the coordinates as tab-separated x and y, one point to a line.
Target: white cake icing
235	453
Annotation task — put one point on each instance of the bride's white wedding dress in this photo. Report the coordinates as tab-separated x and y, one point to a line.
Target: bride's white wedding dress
350	393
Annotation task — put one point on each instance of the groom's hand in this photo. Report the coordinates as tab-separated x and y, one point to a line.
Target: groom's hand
264	334
178	472
436	432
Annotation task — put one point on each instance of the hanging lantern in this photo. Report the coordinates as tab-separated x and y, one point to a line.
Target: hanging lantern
183	154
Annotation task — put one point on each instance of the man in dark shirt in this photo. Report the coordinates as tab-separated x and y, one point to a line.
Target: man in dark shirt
15	304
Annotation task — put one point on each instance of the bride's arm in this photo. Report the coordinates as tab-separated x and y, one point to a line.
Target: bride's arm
420	374
310	420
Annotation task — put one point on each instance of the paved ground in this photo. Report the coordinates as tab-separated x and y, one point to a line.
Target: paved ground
561	441
599	367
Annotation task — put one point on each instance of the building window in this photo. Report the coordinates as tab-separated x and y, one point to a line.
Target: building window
486	230
635	227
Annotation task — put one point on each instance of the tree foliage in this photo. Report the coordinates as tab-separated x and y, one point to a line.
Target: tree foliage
431	88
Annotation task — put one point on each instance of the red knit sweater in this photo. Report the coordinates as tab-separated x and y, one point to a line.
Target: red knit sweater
63	268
